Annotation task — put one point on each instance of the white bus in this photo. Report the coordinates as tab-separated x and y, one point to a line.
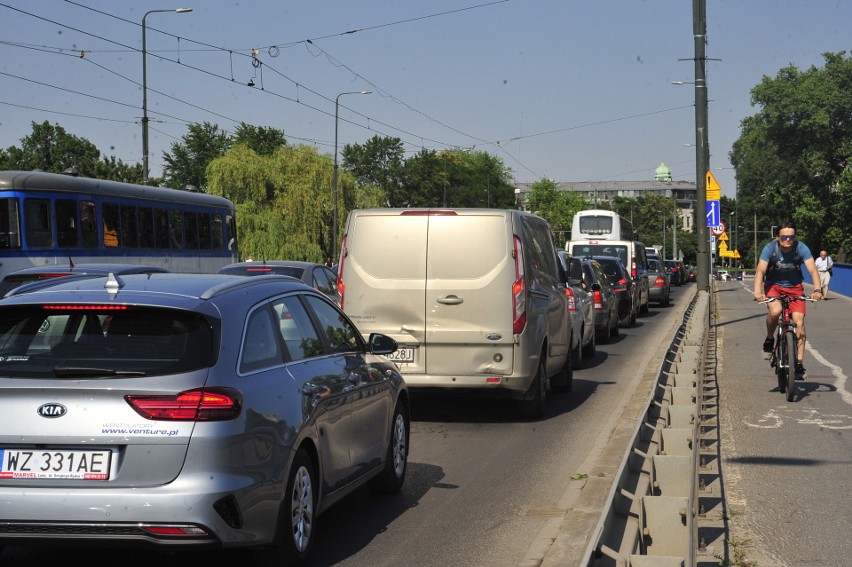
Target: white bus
600	224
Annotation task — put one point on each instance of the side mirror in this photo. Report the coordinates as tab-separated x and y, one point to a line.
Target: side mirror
382	344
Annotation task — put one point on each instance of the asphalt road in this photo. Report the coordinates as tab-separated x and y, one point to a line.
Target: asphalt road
484	488
786	466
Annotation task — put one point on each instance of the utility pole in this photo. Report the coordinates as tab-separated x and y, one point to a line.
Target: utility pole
702	151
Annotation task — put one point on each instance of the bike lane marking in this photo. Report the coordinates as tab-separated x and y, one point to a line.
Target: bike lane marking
840	382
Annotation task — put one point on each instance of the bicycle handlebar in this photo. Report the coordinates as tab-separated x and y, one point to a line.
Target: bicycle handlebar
799	298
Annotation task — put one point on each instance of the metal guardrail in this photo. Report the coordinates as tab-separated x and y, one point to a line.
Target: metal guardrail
654	514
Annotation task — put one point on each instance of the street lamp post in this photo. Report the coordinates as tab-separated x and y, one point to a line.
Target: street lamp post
334	181
145	90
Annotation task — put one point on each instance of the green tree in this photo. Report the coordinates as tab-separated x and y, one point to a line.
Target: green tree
264	141
792	158
378	163
50	148
556	207
187	163
284	201
424	180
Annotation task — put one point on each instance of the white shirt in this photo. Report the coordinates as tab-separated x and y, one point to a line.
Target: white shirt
823	264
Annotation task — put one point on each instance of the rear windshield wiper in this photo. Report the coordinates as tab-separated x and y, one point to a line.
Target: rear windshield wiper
86	371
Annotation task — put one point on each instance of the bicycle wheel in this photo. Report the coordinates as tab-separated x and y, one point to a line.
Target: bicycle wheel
778	359
790	340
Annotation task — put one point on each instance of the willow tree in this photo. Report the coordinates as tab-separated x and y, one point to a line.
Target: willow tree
284	201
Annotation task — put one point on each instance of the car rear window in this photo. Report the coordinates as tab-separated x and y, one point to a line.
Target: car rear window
262	270
80	341
618	251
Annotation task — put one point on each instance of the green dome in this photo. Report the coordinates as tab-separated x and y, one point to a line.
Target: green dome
663	173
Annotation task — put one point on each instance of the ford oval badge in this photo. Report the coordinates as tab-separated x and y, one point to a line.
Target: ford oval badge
494	337
52	410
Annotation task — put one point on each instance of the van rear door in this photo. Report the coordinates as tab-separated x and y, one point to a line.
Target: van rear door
470	272
384	277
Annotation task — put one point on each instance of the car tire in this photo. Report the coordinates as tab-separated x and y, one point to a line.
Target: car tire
589	349
664	302
633	316
534	407
615	330
296	529
563	381
392	477
577	353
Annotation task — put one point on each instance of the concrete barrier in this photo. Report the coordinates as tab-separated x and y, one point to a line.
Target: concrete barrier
651	515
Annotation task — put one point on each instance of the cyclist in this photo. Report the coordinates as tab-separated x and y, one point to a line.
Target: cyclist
780	264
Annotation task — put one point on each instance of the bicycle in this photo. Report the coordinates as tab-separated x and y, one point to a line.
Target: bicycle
785	352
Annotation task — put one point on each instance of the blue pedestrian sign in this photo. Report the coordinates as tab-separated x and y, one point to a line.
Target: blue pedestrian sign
713	213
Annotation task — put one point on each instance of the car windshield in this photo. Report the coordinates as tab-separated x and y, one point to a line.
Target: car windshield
75	341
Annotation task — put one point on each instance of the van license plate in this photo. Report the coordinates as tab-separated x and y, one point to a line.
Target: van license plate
402	354
73	465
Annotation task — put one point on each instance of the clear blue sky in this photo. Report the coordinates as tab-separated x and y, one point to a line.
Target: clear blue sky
564	89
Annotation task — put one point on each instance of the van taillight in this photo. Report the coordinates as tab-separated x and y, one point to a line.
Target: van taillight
633	268
519	302
203	404
597	300
572	301
340	286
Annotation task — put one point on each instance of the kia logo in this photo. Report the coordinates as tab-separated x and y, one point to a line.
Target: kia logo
52	410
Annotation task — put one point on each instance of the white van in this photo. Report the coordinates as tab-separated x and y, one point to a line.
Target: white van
474	298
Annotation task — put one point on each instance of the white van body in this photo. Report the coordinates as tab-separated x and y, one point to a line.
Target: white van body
474	297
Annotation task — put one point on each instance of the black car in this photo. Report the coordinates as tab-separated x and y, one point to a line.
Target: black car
53	271
320	277
593	279
625	288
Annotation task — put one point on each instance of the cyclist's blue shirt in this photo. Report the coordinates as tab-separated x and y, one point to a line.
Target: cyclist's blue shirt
786	272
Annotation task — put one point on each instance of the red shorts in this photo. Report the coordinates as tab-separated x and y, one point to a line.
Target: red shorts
772	290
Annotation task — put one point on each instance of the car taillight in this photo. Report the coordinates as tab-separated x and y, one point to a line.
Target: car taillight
572	301
620	285
203	404
519	302
660	282
340	287
598	300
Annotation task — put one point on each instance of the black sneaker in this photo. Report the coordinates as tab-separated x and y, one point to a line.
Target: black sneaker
800	372
768	344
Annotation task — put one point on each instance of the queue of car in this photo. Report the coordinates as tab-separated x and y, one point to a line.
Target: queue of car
180	411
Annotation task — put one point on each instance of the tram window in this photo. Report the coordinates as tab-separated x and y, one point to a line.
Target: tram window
176	229
10	234
66	223
162	228
146	227
204	231
111	224
190	223
218	233
88	226
38	231
129	237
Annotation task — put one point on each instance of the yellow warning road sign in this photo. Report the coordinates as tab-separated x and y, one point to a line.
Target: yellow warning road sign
714	191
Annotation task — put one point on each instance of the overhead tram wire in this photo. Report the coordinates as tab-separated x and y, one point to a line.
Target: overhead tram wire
310	41
284	97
